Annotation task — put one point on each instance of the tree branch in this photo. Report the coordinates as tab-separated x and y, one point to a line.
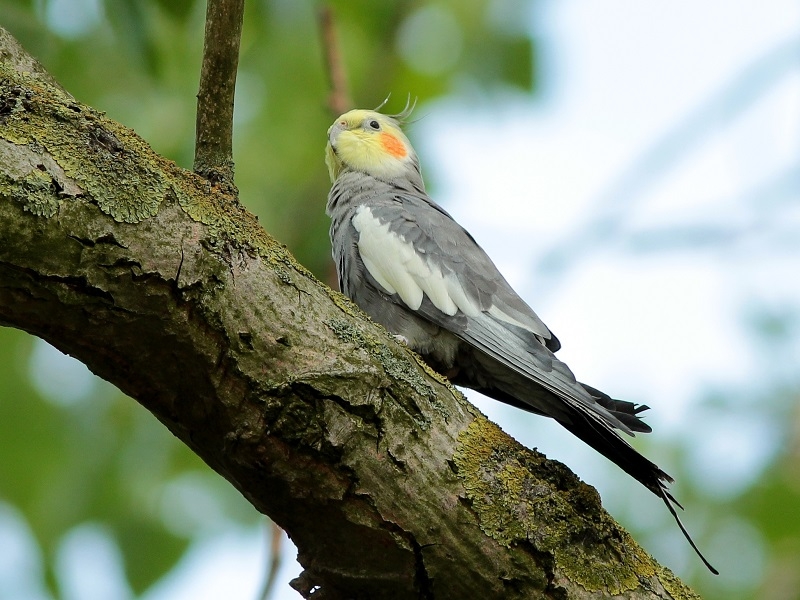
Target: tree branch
275	554
213	157
339	101
388	481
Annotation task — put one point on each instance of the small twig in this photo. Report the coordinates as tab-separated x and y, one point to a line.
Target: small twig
275	547
339	98
213	157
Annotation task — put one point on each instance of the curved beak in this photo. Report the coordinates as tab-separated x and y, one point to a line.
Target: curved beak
334	131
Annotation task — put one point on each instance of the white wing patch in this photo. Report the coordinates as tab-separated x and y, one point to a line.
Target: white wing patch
501	316
400	269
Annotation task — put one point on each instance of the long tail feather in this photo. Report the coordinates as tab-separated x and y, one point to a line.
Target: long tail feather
669	501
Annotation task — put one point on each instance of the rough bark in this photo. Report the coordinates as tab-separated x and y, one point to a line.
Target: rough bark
388	481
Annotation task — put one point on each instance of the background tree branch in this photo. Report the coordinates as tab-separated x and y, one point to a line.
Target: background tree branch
388	481
339	101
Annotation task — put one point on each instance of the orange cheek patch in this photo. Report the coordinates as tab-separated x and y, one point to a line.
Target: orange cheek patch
393	146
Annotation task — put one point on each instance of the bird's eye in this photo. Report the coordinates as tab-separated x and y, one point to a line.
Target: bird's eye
375	125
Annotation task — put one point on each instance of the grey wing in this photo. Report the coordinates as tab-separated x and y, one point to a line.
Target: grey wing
382	304
452	252
424	260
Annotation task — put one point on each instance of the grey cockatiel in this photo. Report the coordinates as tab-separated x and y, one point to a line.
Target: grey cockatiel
413	269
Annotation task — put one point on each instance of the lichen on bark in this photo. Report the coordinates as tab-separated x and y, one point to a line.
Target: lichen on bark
522	497
103	158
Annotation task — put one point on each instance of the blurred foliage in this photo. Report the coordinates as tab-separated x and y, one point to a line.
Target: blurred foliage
140	64
99	457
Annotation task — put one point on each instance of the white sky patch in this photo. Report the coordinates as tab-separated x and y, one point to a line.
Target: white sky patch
72	18
188	504
726	464
531	186
89	565
631	68
21	569
230	565
654	330
59	378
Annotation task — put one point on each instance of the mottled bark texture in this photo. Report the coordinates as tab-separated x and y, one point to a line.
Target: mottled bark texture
389	482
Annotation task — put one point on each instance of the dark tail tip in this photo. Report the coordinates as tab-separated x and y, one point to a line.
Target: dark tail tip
671	504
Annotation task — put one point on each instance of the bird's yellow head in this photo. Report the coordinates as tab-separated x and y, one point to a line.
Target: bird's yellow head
370	142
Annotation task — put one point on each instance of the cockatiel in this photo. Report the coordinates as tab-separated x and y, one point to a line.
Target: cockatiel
412	268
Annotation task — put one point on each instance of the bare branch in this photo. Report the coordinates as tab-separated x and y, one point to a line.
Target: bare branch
339	100
213	157
275	534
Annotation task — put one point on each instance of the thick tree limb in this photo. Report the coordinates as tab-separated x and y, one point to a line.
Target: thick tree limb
213	158
388	481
